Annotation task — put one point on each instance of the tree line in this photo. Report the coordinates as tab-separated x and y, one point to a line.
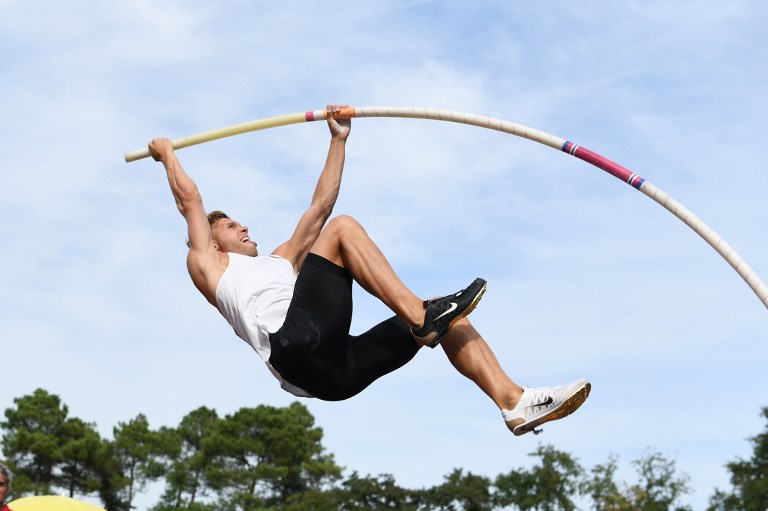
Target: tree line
272	458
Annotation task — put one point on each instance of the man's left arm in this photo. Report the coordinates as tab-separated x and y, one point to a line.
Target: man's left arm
324	198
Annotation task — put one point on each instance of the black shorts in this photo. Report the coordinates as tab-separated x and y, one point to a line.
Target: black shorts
313	349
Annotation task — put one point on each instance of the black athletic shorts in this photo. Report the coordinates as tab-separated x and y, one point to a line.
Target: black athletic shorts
313	349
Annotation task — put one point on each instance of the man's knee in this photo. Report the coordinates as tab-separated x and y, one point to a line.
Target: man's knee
344	224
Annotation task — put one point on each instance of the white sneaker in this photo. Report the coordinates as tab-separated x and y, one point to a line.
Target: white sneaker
544	404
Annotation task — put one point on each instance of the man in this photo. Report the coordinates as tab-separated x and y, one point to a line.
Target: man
5	486
294	307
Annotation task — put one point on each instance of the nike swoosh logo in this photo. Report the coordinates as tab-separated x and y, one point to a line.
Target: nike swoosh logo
450	309
546	402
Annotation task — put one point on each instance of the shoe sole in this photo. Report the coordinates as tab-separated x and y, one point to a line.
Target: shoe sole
569	406
463	314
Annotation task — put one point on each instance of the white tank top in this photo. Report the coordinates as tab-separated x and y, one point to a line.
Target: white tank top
253	295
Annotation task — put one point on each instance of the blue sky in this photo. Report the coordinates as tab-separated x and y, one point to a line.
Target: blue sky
587	277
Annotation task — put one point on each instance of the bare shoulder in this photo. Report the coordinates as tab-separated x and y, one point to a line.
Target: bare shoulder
205	268
287	251
282	250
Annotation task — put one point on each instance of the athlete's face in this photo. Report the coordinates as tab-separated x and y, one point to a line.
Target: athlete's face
3	488
230	236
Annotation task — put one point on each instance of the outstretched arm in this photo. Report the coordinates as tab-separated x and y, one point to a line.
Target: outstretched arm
323	200
202	260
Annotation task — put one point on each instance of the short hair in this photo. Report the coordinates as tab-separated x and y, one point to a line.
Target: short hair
8	475
213	217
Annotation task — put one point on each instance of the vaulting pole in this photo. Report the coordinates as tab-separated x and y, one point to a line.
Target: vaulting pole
616	170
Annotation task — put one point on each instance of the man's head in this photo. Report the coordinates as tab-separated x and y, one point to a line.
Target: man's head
229	236
6	477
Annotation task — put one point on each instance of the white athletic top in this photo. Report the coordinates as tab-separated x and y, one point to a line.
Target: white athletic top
253	296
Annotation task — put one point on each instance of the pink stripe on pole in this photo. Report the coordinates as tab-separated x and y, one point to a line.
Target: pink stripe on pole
607	165
309	116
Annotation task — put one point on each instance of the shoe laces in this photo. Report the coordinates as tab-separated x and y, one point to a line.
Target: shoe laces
540	397
437	307
543	397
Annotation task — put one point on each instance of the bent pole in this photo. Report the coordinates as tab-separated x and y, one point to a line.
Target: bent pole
616	170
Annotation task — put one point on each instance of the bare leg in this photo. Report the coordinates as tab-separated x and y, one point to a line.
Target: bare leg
344	242
472	357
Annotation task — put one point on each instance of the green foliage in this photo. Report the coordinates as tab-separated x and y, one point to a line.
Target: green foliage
749	479
268	458
129	462
460	492
271	454
33	437
549	485
78	453
659	488
192	461
312	500
111	479
356	493
603	490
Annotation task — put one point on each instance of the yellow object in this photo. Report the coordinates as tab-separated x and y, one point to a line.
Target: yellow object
51	503
229	131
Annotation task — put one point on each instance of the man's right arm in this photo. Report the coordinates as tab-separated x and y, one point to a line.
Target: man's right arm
203	260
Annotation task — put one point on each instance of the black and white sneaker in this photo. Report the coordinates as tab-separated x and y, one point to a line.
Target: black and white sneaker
544	404
442	313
